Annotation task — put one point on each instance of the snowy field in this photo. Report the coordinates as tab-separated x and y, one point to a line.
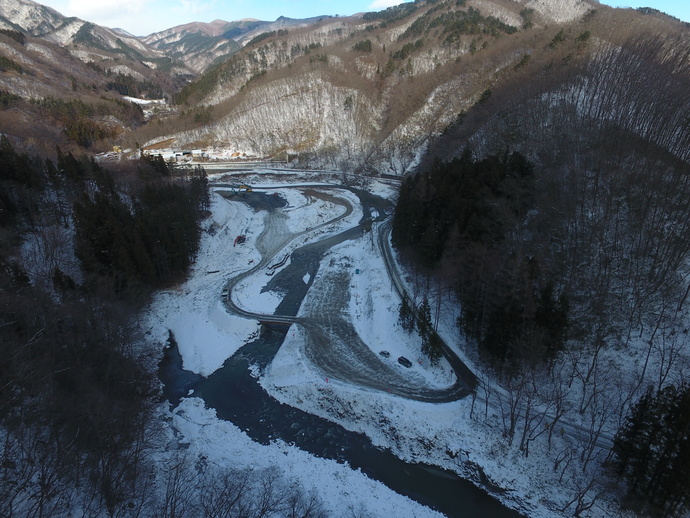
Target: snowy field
207	335
440	434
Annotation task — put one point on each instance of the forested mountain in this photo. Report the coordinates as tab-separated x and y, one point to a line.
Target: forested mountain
64	81
555	212
82	250
544	154
200	45
373	92
369	92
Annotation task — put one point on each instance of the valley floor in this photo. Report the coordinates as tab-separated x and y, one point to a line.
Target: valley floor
441	434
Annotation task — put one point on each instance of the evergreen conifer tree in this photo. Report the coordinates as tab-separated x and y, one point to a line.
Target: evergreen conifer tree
406	316
652	451
424	318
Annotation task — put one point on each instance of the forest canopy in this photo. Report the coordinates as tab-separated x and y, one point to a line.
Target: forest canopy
74	397
462	216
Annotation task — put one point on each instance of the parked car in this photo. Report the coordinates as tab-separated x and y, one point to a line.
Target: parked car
224	295
404	362
385	354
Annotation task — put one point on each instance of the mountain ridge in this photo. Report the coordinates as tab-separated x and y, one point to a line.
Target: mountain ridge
365	92
543	174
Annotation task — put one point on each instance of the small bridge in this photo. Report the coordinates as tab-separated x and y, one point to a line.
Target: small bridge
275	323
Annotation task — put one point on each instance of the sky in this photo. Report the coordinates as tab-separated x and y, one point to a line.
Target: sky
143	17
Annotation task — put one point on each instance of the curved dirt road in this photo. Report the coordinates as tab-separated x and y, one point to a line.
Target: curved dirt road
332	344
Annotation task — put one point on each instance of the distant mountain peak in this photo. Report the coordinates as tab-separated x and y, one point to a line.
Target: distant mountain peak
34	18
123	32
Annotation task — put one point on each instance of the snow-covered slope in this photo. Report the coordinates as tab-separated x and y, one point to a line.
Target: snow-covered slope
559	11
310	92
196	44
34	18
87	41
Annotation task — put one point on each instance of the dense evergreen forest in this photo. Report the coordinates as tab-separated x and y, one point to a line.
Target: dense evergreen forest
460	216
557	271
652	450
81	249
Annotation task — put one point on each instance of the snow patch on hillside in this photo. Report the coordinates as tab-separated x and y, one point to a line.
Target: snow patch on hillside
507	16
306	114
10	52
64	34
125	70
560	11
32	17
208	335
134	43
42	50
144	102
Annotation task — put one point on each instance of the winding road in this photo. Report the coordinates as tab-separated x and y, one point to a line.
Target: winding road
332	343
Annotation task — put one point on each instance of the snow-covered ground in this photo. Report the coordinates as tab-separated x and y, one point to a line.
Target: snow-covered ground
207	335
442	434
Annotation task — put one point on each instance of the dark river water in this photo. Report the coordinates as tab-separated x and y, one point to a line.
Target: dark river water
237	397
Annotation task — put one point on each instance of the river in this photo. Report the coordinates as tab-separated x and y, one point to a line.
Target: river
237	397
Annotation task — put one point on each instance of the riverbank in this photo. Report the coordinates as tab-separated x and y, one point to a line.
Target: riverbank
440	434
207	335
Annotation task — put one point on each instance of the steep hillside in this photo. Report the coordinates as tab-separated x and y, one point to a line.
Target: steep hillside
370	92
555	211
29	16
47	56
49	97
200	45
111	49
592	81
66	82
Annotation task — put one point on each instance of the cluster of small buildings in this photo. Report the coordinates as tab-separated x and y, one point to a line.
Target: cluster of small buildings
198	155
178	156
